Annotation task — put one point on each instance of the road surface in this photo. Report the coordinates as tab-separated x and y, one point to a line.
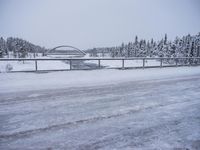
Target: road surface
151	114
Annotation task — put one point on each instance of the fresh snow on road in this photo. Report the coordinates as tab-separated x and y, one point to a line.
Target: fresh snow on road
142	109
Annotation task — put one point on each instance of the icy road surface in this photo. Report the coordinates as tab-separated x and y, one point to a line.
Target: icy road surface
134	115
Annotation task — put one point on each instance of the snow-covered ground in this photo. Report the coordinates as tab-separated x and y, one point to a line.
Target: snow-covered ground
30	65
62	65
141	109
127	63
38	81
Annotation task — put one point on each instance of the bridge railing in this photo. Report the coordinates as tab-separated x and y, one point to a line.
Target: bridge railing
161	62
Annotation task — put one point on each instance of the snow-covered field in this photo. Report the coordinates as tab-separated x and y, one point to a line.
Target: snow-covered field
101	109
62	65
30	65
127	63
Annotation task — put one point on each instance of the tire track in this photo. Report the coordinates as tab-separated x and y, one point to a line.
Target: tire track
27	133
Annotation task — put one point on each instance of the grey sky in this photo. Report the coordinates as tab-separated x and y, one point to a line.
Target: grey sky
94	23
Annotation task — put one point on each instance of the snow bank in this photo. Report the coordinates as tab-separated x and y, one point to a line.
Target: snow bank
36	81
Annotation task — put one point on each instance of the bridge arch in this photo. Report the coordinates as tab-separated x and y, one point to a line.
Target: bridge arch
75	51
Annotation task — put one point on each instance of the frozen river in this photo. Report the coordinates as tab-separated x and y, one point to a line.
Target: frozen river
147	114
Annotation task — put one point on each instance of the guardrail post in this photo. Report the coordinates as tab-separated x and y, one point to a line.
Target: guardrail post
122	63
143	63
198	61
99	63
176	60
189	62
36	65
70	64
192	62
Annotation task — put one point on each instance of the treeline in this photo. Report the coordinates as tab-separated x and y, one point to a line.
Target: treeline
186	46
18	48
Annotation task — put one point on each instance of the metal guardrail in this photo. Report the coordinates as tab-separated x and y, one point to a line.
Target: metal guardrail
190	60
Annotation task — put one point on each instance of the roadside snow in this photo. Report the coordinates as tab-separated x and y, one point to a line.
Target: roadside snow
61	65
30	65
15	82
127	63
142	115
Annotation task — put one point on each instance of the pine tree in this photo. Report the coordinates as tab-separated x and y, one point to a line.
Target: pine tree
136	47
192	50
2	50
20	48
1	53
165	40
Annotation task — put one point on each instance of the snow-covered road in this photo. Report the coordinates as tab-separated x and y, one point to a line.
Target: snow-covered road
135	114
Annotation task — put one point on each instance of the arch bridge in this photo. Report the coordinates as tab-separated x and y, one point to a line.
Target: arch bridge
66	50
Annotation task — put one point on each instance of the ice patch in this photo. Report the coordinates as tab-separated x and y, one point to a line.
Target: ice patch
34	95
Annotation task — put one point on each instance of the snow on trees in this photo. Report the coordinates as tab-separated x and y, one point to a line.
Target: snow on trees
3	47
186	46
18	48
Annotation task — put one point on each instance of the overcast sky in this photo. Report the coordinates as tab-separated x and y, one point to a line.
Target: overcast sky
97	23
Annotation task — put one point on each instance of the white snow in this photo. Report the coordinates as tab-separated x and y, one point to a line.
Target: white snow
35	81
101	109
30	65
127	63
61	65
